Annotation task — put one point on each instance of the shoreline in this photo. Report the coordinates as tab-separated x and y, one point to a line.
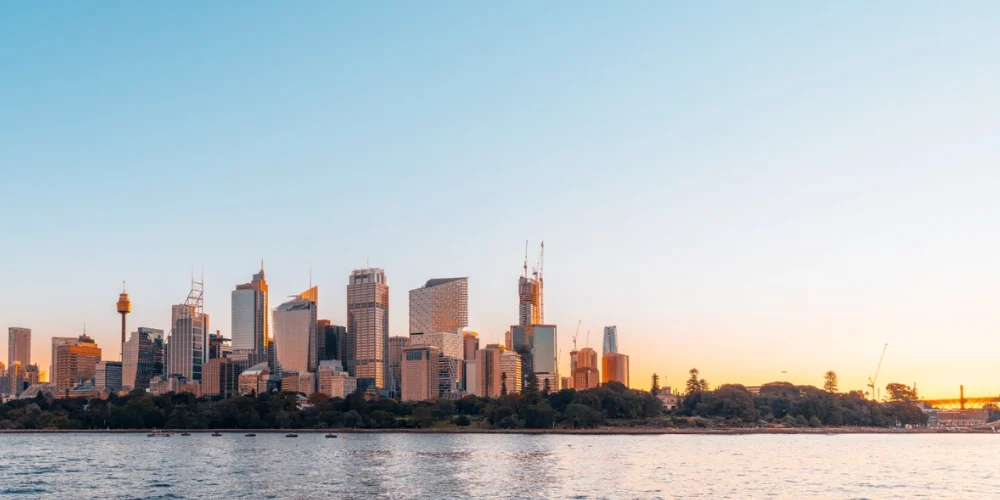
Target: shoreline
603	431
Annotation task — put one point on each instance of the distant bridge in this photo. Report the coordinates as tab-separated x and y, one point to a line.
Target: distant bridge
962	403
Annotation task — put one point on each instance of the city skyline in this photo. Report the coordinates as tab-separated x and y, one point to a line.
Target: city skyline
763	194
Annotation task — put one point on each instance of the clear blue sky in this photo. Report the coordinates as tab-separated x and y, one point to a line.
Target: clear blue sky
748	188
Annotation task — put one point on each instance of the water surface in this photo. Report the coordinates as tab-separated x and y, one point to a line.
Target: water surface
499	466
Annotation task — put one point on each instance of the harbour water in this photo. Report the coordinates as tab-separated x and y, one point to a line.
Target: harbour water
492	466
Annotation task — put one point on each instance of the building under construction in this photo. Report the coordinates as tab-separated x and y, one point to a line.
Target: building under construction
531	305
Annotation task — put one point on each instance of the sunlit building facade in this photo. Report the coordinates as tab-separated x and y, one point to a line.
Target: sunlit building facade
368	327
108	377
295	333
510	372
420	373
614	368
441	305
333	381
586	374
221	377
76	363
254	380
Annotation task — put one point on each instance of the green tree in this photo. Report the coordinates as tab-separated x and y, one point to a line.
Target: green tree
655	388
830	381
503	383
422	417
693	384
461	421
900	392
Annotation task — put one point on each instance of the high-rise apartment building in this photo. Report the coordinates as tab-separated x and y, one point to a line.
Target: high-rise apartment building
610	340
420	373
187	345
368	328
441	305
586	375
108	376
18	351
76	362
250	329
143	358
614	368
295	333
529	292
541	341
396	345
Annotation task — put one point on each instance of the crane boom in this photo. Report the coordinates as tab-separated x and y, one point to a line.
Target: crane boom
577	333
871	381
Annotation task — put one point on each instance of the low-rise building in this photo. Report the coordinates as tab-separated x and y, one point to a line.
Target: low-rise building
333	381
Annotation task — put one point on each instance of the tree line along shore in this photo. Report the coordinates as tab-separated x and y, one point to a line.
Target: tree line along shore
610	408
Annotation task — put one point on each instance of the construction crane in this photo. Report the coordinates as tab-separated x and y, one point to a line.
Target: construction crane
871	380
588	338
577	333
541	284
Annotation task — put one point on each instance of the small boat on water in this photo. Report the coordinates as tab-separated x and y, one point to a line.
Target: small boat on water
216	434
158	434
331	436
250	435
185	434
291	435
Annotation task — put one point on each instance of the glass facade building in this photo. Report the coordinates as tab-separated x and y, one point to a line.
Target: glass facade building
250	329
610	340
143	358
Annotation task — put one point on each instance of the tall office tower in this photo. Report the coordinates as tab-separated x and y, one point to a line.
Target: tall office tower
368	327
610	340
108	376
295	336
586	375
470	344
420	370
441	305
488	371
396	345
187	345
450	363
76	362
18	351
531	304
250	332
124	306
614	368
143	358
573	358
56	342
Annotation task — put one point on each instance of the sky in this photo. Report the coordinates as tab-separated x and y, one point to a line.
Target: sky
764	191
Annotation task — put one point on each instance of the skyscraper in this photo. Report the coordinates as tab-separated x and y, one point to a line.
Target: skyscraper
610	340
250	332
143	358
187	345
295	333
441	305
76	362
614	368
18	351
368	327
450	364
